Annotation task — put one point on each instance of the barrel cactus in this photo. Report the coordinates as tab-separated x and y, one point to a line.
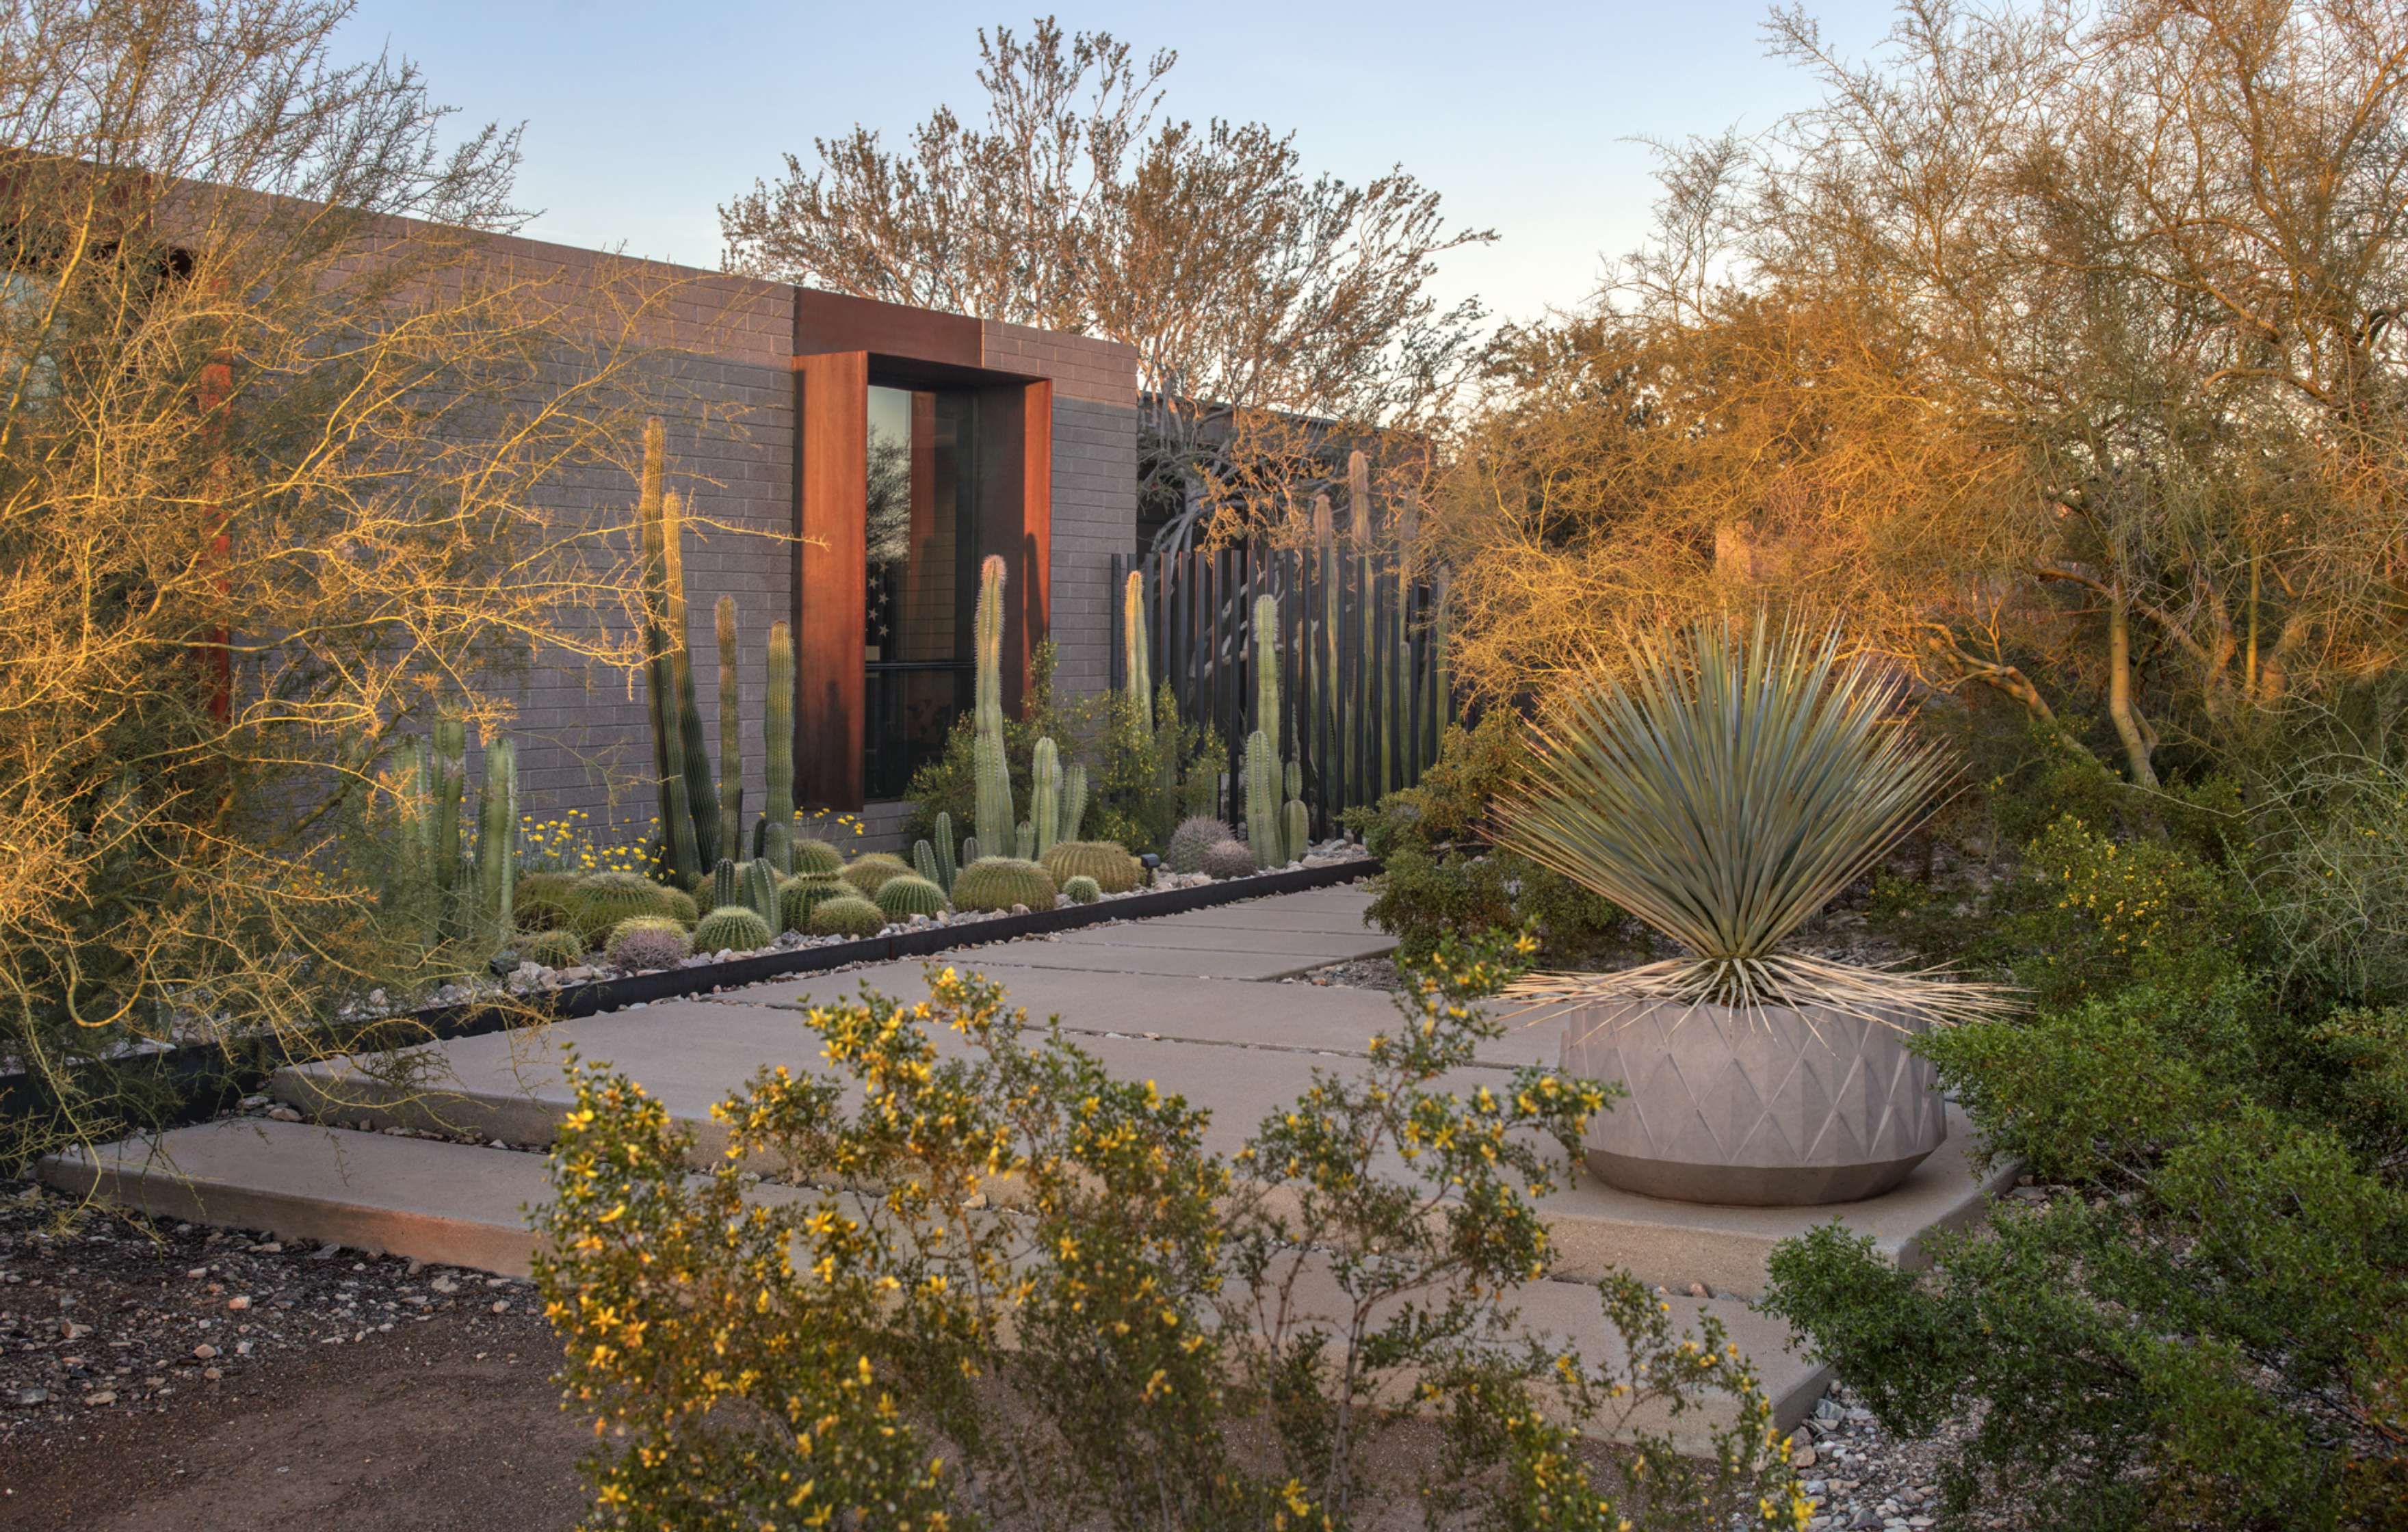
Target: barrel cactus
1229	859
542	899
799	897
868	874
599	903
999	883
1082	889
731	927
555	949
1107	861
847	915
647	941
900	898
680	906
1192	839
817	859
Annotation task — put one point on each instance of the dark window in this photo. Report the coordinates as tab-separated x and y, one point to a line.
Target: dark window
922	546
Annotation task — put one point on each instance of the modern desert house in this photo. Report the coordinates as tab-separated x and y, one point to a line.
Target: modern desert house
848	463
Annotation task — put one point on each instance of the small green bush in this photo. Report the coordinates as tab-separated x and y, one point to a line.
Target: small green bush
806	1363
2087	913
847	915
731	927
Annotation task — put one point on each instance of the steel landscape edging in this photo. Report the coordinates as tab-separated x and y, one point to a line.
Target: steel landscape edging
205	1078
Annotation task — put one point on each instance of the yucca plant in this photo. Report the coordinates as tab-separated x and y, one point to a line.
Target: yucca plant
1724	792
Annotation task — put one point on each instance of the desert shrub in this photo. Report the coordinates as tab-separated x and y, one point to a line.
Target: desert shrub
1094	1355
2087	913
1440	875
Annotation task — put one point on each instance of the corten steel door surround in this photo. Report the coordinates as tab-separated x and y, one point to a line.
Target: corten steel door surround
843	346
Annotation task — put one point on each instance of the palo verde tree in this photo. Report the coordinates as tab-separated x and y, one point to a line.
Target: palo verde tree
274	425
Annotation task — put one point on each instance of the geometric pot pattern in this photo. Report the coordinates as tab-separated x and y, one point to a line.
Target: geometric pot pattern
1778	1106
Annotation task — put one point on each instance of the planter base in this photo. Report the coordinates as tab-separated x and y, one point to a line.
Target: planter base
1752	1185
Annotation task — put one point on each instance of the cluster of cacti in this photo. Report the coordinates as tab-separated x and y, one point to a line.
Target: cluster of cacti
849	915
799	897
900	898
868	873
935	862
647	941
815	859
995	815
1188	843
1278	831
1081	890
1227	859
999	882
553	948
455	894
1104	863
600	902
735	927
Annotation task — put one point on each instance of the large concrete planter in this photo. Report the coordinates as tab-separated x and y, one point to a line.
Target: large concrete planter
1773	1108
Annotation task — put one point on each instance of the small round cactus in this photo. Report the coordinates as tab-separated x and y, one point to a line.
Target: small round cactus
1192	839
799	897
731	927
1082	889
599	903
868	874
900	898
551	949
999	883
647	941
847	915
817	859
1229	859
1106	862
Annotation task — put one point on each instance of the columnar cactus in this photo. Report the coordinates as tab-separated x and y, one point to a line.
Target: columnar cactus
1024	841
924	862
1266	687
761	891
994	808
498	839
726	886
731	722
702	799
450	778
946	865
1299	818
1140	673
778	752
1045	795
1263	829
679	857
1074	802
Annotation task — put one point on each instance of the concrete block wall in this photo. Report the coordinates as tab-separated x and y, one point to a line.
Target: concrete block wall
720	375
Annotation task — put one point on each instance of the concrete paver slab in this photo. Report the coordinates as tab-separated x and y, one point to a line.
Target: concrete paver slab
1160	962
1322	946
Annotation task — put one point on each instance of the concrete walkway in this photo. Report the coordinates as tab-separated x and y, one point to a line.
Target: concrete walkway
1192	1002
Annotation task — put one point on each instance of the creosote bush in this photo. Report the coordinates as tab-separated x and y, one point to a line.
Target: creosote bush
1042	1301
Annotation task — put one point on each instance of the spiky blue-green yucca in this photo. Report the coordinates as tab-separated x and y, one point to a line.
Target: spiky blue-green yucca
1722	791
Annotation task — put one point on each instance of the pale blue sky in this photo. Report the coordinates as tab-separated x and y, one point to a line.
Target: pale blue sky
642	117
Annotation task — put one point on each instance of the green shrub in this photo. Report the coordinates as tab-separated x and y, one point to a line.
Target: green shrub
551	949
804	1362
2208	1326
731	927
847	915
1442	878
2087	913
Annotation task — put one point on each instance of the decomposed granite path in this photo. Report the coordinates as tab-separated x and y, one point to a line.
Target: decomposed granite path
1192	1002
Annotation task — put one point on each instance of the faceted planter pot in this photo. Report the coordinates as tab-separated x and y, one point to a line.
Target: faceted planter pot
1770	1108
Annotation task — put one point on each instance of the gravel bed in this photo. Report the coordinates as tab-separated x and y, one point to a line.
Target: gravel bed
101	1312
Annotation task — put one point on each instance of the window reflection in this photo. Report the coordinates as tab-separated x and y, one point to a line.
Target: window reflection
923	573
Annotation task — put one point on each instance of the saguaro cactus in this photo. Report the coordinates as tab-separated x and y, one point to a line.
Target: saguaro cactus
946	865
995	816
778	752
1074	801
450	791
677	855
1045	794
498	839
1263	831
702	799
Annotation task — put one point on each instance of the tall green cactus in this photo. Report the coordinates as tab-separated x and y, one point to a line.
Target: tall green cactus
443	850
924	862
726	884
498	839
1263	830
1024	841
1298	819
778	751
1267	676
946	865
760	891
996	815
702	799
1045	794
731	722
1141	670
1074	802
678	856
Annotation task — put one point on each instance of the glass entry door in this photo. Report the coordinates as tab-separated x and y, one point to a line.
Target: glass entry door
922	533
